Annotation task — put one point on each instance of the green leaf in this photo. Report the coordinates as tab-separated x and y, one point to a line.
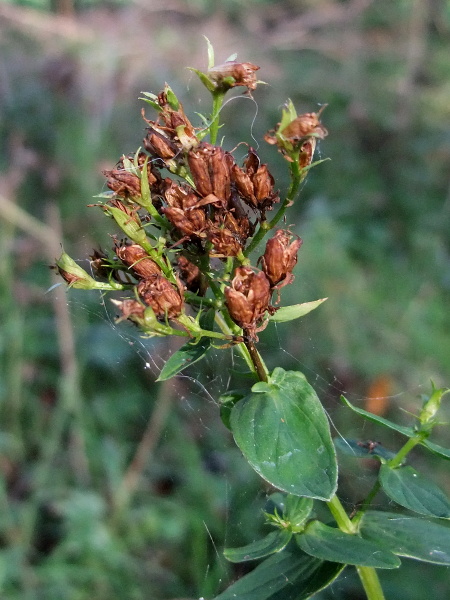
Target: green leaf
190	353
421	539
283	432
328	543
289	313
210	53
226	403
297	510
273	542
438	450
408	431
287	575
210	86
359	449
412	490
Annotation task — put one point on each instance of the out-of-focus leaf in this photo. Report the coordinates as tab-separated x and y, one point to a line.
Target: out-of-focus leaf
283	432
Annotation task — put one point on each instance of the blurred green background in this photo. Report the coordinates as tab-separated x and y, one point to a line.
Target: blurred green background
114	487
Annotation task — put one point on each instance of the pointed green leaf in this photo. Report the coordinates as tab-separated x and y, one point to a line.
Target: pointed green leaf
209	85
283	432
287	575
408	431
328	543
273	542
438	450
412	490
422	539
359	449
210	53
289	313
190	353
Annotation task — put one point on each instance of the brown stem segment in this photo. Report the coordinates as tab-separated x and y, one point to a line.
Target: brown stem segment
256	359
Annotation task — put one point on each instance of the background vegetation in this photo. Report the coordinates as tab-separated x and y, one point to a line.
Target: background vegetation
114	487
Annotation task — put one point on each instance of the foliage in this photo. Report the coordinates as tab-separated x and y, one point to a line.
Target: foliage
375	228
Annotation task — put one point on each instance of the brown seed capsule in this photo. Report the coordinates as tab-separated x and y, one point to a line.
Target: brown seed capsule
159	145
242	73
182	211
255	183
303	126
138	260
210	168
247	298
130	309
280	257
190	274
165	299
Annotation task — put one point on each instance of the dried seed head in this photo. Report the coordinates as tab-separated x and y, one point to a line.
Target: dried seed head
160	145
247	298
210	168
232	74
182	211
304	126
190	274
280	257
255	183
73	274
138	260
165	299
130	309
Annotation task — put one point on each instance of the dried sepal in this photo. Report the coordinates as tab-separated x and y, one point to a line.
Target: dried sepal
255	183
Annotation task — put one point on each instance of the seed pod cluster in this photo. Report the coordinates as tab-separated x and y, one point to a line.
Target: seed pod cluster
188	211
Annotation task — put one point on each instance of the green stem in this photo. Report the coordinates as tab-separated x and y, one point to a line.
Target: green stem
296	179
370	583
401	454
259	366
218	97
367	575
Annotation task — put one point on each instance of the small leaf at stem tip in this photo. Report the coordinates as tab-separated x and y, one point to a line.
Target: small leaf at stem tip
295	311
210	53
273	542
414	491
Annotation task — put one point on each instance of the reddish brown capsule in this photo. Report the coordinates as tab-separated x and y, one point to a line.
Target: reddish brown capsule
247	298
305	125
280	257
255	183
242	74
210	168
190	274
159	145
138	260
131	309
165	299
